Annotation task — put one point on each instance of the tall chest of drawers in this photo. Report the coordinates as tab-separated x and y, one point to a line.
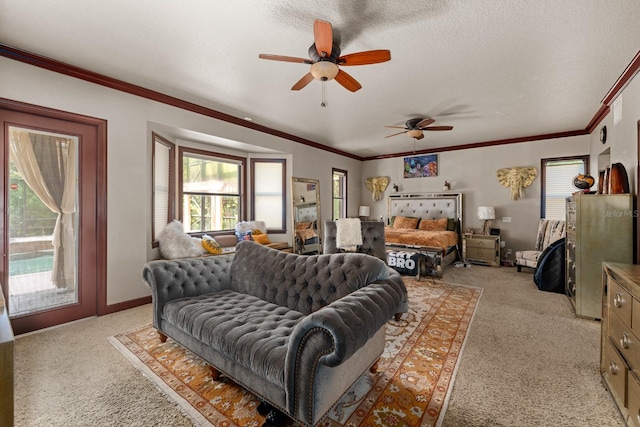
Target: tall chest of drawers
620	344
599	228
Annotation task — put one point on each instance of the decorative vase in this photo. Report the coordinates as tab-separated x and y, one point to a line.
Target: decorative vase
583	182
618	180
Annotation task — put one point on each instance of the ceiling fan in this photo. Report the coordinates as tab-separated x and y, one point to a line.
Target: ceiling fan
414	127
325	59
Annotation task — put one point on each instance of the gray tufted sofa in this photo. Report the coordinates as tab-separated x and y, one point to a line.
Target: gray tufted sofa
295	330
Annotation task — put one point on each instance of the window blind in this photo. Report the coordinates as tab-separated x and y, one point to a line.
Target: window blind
559	185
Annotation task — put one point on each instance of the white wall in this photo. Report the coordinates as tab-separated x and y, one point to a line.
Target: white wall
130	119
129	126
622	138
473	173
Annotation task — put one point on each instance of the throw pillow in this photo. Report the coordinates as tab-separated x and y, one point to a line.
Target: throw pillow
433	224
263	239
175	243
406	222
211	245
243	229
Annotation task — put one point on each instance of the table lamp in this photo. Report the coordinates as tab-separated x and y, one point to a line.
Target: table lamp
487	213
364	212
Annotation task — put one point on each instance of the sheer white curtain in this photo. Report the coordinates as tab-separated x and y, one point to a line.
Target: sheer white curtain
48	166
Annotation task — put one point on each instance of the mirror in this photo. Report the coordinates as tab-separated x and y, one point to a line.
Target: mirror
305	193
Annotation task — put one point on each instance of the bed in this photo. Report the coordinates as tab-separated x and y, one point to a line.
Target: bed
425	223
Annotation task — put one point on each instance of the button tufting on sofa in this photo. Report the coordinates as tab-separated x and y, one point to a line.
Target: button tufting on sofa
264	317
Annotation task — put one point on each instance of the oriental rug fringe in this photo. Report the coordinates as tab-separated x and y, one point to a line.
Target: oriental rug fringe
411	388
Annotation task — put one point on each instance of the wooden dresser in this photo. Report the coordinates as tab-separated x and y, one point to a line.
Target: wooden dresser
620	344
481	249
6	366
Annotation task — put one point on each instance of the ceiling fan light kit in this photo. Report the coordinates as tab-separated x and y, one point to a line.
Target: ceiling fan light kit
325	59
324	70
415	127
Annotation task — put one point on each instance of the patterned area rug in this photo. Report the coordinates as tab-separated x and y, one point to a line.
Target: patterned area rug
411	388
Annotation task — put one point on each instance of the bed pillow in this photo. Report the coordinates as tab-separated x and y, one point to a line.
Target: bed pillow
433	224
304	225
406	222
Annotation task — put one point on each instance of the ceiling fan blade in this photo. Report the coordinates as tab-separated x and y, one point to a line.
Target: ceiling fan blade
425	122
305	80
438	128
418	138
347	81
365	58
323	37
396	127
394	134
284	58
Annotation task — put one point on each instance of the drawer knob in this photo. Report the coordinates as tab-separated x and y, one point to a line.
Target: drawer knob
613	368
617	300
625	341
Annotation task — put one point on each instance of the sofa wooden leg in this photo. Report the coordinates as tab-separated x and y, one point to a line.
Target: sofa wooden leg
374	368
215	374
397	316
163	337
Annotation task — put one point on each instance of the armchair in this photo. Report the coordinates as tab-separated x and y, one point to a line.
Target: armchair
549	231
373	243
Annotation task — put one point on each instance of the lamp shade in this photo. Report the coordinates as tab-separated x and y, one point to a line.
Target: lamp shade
486	212
364	211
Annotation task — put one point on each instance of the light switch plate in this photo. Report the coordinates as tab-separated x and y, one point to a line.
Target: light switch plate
506	219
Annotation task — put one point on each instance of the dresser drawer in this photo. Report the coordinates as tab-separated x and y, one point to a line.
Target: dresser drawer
635	317
480	243
481	254
625	341
633	399
615	374
620	302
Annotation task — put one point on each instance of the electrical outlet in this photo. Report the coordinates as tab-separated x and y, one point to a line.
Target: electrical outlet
506	219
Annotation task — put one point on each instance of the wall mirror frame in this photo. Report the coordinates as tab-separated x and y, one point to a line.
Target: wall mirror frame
305	208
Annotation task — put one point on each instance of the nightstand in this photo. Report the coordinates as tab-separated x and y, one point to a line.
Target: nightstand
481	249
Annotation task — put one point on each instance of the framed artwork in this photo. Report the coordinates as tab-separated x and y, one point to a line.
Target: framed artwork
421	166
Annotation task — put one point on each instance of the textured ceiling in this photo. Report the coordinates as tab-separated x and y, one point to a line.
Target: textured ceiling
493	69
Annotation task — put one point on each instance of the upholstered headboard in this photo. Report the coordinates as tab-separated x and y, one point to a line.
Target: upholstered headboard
306	214
426	205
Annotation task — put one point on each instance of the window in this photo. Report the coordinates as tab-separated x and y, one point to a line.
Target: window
163	184
212	190
339	184
268	193
557	183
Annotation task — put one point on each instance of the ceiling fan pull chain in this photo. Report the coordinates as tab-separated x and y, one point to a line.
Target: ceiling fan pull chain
323	104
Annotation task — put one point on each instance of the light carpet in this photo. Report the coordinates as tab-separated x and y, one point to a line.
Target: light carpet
411	388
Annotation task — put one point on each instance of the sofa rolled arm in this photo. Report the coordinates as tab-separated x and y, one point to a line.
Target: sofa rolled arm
331	335
396	285
185	277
